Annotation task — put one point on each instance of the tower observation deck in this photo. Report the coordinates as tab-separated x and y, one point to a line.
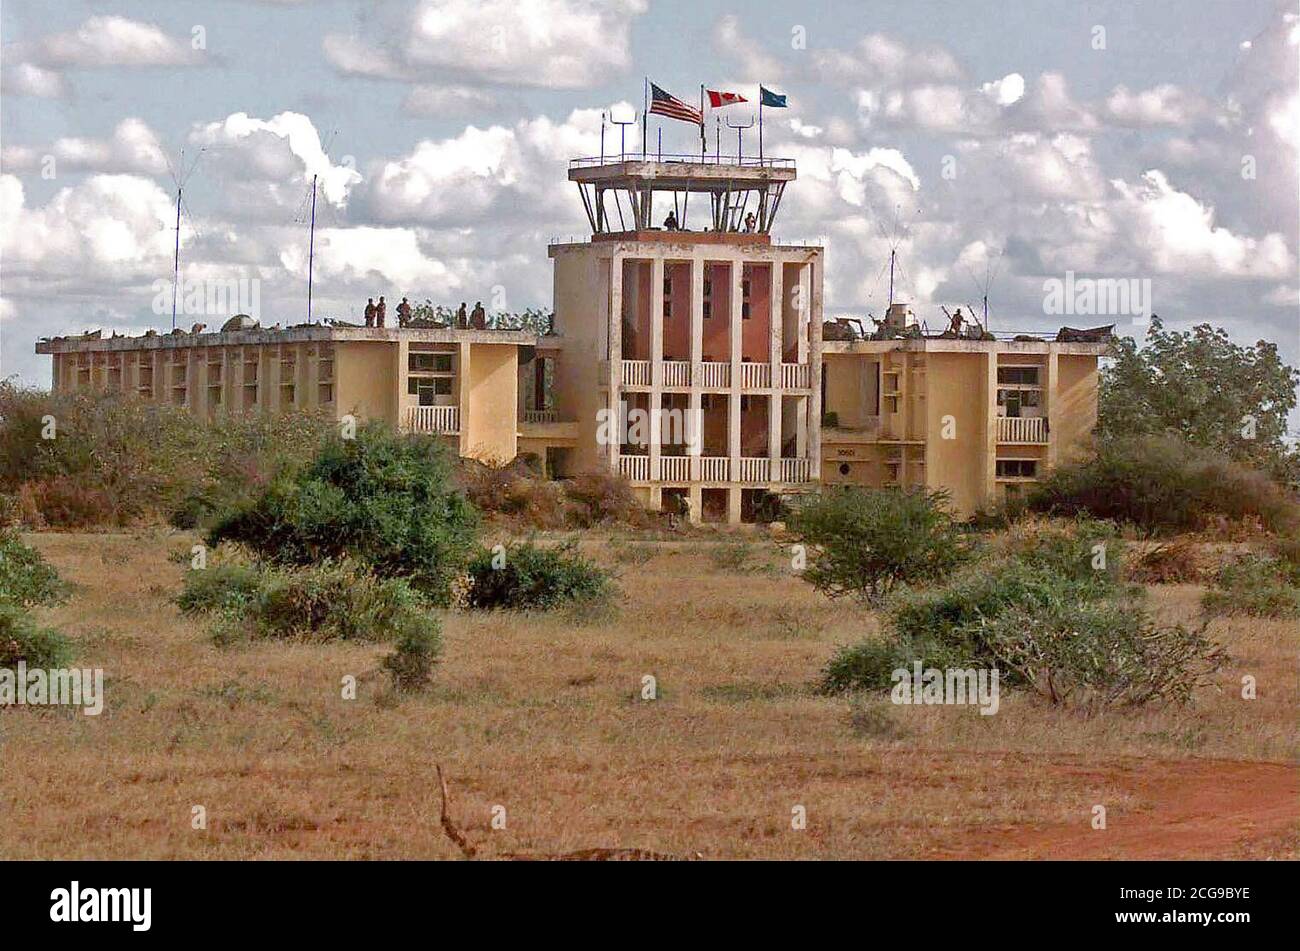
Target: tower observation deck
715	199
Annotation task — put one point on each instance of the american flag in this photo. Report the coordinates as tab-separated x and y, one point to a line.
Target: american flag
665	104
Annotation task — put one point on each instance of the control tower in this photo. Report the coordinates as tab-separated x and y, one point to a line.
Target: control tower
693	339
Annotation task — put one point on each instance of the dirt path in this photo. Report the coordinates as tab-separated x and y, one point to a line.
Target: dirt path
1193	809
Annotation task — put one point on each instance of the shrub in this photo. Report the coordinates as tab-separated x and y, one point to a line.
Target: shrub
865	541
1097	653
524	577
1171	563
1163	485
1082	549
218	586
383	499
118	459
325	602
602	496
416	651
22	639
867	665
1253	586
26	578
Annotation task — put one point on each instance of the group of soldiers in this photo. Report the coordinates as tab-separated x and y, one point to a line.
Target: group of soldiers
377	314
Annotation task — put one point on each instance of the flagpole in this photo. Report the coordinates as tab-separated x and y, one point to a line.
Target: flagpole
760	124
704	141
645	118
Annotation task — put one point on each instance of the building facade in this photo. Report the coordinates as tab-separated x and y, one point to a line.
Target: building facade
689	360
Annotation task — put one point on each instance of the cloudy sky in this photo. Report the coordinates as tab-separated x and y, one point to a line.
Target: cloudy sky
983	140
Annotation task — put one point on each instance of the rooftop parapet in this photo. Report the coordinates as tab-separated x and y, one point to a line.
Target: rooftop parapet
735	194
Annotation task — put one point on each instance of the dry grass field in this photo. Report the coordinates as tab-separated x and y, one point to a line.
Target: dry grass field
542	715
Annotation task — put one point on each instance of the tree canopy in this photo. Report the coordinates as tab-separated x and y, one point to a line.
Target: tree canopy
1206	389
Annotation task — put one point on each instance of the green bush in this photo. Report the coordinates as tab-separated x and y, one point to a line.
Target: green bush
869	664
324	602
383	499
863	542
217	586
415	652
524	577
22	639
1253	586
1163	485
1097	653
26	578
119	459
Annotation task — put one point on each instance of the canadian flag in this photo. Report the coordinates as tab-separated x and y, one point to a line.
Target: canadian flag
717	99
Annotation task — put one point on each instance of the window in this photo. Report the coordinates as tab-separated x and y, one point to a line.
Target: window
1017	468
1023	376
429	362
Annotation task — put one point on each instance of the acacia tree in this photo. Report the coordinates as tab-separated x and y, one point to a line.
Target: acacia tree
1207	390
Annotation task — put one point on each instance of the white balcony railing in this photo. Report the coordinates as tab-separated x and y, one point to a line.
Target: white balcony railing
715	375
755	470
796	470
677	373
634	468
444	420
675	468
714	468
1022	429
636	372
755	376
796	376
541	416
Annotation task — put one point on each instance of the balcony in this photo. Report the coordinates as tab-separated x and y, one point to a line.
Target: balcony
443	420
674	468
677	373
755	376
716	375
636	372
541	416
634	468
796	470
1023	430
796	376
714	469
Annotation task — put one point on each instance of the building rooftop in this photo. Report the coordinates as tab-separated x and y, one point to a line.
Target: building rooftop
252	336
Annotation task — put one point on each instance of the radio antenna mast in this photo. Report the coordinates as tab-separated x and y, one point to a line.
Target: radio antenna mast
179	178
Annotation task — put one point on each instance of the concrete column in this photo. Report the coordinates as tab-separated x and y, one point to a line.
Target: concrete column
401	368
735	327
697	376
656	368
1048	406
302	383
615	379
813	336
990	467
463	368
774	434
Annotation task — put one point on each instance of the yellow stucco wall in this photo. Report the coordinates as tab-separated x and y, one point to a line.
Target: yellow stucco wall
366	388
956	405
581	315
1075	414
488	429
